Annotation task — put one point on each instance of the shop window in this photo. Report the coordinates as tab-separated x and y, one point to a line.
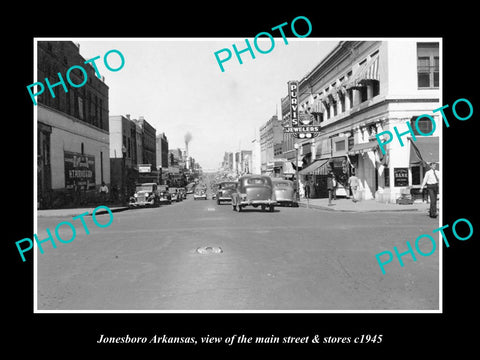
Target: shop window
416	175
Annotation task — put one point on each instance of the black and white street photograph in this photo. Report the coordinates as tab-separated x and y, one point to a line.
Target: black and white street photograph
217	178
274	174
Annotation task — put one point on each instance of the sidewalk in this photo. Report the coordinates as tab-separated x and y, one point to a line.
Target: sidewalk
78	211
342	204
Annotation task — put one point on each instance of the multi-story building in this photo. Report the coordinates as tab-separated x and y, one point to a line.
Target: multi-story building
360	89
124	152
162	151
72	128
243	162
271	138
228	161
149	152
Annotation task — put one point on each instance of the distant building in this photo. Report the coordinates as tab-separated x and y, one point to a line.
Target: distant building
162	151
271	137
149	153
72	129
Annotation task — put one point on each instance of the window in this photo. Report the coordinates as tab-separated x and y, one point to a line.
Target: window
80	108
428	65
386	176
375	88
363	93
340	145
424	125
416	175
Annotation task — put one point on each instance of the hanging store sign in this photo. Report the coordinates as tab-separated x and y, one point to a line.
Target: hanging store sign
144	168
301	124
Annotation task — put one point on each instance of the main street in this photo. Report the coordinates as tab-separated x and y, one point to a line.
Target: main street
291	259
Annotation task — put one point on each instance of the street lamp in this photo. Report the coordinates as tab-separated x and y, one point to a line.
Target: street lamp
296	146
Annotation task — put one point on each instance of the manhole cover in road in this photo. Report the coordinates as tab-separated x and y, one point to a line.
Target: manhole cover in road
209	250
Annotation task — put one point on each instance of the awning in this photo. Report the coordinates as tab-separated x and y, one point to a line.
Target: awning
424	150
288	168
367	71
363	147
316	165
317	106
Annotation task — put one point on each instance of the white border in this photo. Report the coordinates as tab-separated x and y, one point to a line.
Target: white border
77	39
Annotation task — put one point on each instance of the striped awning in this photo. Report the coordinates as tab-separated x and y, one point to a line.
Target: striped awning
313	167
317	106
363	147
366	72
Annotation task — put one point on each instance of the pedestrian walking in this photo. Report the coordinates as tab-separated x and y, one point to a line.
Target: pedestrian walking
431	180
103	192
354	183
330	186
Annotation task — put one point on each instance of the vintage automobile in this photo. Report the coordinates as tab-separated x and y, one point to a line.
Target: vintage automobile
164	194
146	194
284	191
175	194
225	189
183	193
254	190
200	193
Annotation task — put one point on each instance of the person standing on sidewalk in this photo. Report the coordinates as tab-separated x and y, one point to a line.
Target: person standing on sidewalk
353	182
307	189
330	186
103	192
431	181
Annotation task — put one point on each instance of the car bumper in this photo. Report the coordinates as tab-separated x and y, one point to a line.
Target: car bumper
141	203
257	202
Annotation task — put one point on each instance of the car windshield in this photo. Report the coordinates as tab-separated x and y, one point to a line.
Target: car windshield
144	188
256	181
282	185
228	186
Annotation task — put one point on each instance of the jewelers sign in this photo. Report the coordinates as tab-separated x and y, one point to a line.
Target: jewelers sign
301	123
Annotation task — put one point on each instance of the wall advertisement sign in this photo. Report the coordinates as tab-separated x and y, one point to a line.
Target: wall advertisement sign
79	170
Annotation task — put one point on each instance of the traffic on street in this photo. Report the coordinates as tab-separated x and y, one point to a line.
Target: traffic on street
197	255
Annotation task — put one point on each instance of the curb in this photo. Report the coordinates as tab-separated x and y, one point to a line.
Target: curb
328	208
80	211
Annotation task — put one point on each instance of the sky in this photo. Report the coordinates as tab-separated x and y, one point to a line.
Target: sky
177	85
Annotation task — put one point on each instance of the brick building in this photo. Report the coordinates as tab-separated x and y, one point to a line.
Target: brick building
72	128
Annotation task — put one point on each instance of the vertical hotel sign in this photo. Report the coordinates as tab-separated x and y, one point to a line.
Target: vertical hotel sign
300	124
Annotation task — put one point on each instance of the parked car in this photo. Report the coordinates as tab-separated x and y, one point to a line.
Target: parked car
175	194
146	194
254	190
284	191
183	193
200	193
164	194
225	189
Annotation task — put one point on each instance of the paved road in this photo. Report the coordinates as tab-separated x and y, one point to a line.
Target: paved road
292	259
